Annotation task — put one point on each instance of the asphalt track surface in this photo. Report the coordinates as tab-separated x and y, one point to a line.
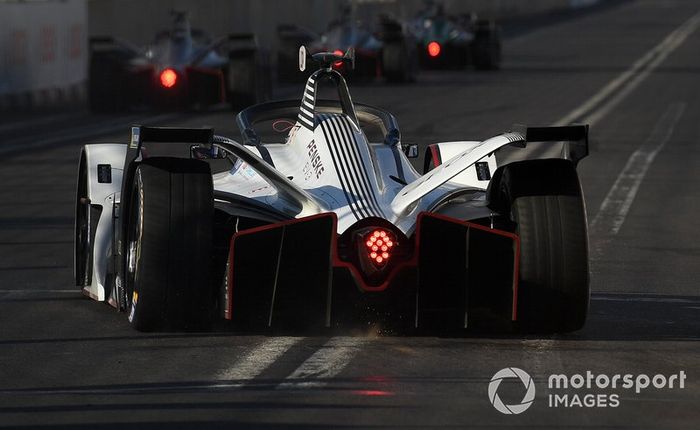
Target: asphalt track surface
68	362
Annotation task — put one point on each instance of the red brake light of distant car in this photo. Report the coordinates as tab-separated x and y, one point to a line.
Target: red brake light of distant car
168	78
338	63
434	49
379	245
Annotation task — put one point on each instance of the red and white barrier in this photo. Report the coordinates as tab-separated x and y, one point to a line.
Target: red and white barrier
43	52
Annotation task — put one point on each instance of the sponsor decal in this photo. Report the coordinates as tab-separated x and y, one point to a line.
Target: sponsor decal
315	158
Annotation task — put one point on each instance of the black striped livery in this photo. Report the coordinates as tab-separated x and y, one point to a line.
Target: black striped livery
308	101
352	172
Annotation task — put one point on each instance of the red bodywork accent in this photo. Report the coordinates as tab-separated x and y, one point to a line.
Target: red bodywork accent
411	262
337	64
435	152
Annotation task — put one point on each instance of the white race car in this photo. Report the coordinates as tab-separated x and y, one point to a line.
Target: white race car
318	219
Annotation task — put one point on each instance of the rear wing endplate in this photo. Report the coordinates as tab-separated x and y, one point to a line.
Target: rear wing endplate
573	137
141	134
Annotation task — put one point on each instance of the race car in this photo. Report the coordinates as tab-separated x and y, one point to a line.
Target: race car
182	68
387	50
318	219
456	41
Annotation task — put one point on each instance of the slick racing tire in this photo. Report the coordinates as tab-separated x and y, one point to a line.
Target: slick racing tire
486	48
544	200
168	245
107	90
248	80
398	65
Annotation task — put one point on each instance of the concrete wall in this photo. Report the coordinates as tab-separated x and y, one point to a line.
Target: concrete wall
43	51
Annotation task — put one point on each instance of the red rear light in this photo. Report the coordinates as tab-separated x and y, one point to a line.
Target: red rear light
168	78
338	63
379	243
434	49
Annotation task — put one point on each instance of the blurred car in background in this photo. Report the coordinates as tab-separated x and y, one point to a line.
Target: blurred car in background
385	49
456	41
395	49
182	68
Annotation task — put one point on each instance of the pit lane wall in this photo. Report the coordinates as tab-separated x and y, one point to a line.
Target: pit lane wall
43	52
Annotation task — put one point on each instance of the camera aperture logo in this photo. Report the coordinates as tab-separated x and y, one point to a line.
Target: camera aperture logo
580	390
528	398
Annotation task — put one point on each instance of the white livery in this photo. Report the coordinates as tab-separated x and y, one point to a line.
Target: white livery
318	227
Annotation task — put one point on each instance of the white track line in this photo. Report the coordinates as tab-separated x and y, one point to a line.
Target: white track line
602	102
74	291
645	299
630	78
39	120
324	364
118	125
617	203
256	361
244	370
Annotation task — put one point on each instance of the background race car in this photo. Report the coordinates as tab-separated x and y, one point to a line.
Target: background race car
383	49
182	68
455	41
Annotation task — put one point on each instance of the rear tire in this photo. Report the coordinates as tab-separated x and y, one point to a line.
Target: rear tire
545	201
107	88
169	245
248	79
398	65
486	50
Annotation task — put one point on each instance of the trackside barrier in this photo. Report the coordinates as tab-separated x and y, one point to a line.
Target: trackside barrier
43	52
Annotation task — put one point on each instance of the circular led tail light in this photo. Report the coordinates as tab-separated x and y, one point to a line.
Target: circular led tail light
168	78
379	243
434	49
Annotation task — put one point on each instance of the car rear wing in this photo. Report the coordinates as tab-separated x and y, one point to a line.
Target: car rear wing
109	43
175	135
306	204
573	137
241	41
234	42
101	40
244	37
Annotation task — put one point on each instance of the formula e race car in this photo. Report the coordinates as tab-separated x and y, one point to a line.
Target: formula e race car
318	219
387	51
447	41
183	67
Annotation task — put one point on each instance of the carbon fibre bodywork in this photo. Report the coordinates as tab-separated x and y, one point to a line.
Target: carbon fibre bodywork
302	273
